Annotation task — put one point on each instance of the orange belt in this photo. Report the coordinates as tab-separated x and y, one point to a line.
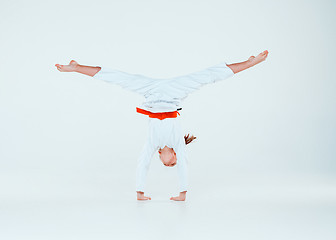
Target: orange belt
161	115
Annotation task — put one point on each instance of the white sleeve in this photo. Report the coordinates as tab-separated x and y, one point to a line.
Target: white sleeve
133	82
143	164
184	85
182	168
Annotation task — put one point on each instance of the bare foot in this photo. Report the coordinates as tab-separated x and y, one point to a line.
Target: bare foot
258	59
67	68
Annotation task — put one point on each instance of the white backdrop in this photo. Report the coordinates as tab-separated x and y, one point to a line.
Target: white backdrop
265	137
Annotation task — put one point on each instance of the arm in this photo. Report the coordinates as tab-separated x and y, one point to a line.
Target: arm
142	169
182	172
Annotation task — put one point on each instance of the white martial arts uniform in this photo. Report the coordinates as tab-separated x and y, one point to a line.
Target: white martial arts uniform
164	95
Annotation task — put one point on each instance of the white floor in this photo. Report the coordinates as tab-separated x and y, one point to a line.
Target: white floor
39	206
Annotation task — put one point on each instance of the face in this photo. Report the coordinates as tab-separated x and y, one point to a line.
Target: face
168	156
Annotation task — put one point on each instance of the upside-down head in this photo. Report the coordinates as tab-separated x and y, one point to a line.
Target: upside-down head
168	155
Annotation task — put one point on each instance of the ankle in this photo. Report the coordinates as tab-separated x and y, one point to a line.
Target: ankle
76	68
250	63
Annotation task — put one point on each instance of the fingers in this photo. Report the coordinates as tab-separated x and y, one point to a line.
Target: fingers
176	199
144	198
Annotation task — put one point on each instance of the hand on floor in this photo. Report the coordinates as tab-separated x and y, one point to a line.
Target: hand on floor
141	196
181	197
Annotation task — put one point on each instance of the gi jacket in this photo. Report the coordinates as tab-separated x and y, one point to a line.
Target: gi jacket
164	95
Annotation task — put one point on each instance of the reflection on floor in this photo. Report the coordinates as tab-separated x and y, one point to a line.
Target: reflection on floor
37	206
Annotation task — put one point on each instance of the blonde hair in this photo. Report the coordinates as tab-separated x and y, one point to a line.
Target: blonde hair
188	139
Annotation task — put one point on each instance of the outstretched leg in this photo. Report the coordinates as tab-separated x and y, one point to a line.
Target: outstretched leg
73	66
238	67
